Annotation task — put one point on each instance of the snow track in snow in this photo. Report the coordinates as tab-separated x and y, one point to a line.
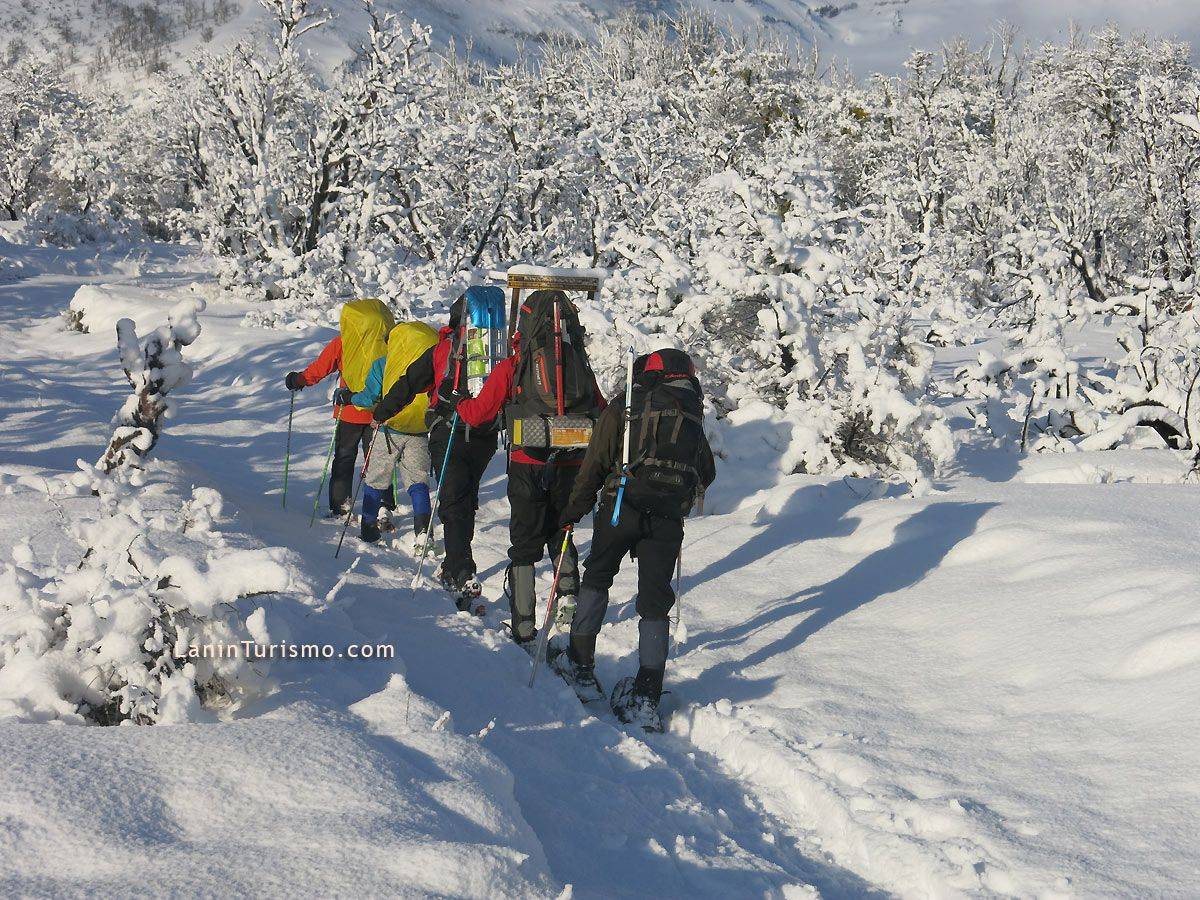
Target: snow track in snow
977	692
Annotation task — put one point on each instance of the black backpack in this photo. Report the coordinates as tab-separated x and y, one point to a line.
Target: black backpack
536	382
666	434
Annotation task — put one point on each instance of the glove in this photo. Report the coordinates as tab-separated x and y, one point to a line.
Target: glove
343	396
568	520
294	381
448	395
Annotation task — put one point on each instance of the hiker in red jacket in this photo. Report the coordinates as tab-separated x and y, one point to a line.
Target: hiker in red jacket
353	429
539	485
460	471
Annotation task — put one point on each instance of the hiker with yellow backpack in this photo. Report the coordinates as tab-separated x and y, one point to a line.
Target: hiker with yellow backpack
402	442
363	331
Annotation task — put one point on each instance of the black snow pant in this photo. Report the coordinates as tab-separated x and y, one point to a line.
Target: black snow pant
458	499
655	541
537	496
348	437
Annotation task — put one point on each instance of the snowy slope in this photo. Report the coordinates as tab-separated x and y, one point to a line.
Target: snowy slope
988	690
873	35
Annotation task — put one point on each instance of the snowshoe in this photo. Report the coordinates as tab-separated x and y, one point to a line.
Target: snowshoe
386	525
467	599
633	708
564	612
529	646
582	679
424	545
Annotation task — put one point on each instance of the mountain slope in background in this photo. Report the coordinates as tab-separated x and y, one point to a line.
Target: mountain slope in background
108	37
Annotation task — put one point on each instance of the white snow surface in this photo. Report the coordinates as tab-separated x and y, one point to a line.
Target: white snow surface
990	690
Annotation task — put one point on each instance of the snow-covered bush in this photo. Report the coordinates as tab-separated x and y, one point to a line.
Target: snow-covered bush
154	367
120	637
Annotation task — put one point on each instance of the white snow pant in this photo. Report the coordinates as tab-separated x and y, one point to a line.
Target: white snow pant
407	452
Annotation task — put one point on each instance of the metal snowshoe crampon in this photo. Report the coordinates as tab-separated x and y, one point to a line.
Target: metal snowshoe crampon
634	708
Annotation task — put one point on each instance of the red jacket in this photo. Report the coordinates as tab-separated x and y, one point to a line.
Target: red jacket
476	411
326	364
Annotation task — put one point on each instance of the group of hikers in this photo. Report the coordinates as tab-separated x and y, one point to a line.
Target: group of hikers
418	400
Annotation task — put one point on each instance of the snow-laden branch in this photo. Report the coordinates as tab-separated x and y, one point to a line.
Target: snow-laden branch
154	368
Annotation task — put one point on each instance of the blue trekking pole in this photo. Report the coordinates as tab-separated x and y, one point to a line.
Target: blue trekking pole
625	452
437	495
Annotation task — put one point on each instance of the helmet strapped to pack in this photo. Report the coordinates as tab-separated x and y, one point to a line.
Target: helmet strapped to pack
554	402
666	435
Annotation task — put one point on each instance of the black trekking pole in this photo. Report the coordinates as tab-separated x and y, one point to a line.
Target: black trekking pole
678	596
287	453
337	413
362	476
434	508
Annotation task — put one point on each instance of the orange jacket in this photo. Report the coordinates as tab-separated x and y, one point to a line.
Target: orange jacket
326	364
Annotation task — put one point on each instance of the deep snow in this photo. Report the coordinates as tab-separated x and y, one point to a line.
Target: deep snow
991	689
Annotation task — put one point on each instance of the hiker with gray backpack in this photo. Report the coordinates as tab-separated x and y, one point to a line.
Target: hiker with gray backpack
648	458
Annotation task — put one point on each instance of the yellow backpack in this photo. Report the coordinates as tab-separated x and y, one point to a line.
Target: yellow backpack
407	342
365	325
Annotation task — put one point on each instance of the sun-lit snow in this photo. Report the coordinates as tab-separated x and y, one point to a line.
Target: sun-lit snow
982	690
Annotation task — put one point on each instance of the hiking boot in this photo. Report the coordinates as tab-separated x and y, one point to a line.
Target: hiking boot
469	592
581	678
369	531
634	707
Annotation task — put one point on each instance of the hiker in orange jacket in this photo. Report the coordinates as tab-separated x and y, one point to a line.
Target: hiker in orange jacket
353	430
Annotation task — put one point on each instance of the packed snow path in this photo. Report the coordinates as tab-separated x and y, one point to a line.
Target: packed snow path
991	690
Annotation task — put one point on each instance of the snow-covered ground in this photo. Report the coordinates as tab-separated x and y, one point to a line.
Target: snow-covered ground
992	689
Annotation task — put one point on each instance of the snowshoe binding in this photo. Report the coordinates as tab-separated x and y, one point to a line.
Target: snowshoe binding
564	612
635	708
467	599
386	525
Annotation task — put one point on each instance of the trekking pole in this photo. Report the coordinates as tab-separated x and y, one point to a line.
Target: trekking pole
625	451
558	362
678	596
287	453
362	476
434	507
337	411
551	606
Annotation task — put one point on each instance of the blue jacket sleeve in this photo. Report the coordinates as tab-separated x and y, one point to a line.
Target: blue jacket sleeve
369	395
